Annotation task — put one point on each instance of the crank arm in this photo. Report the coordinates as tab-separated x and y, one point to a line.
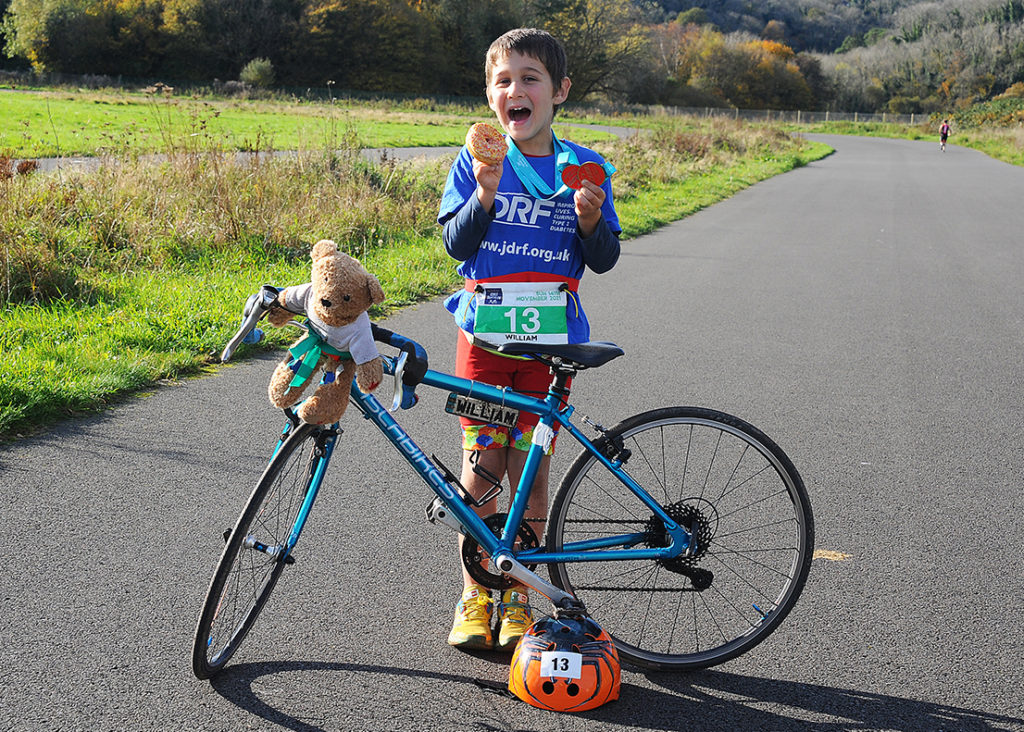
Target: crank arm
559	597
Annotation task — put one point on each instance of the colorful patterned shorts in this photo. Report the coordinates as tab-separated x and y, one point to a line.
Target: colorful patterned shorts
491	436
528	376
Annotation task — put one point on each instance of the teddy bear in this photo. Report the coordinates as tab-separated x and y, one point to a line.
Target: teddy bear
339	340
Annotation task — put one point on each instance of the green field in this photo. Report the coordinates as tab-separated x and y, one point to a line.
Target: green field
114	279
52	124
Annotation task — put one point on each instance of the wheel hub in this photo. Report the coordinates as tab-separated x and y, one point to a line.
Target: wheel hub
697	516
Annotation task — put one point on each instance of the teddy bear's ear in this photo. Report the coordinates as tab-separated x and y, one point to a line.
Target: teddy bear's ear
323	248
376	291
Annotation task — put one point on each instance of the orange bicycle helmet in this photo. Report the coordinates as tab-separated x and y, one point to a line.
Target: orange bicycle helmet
565	664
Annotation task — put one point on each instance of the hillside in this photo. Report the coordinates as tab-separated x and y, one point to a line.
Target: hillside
804	25
901	56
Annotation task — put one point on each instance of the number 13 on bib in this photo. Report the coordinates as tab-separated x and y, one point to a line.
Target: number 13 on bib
521	312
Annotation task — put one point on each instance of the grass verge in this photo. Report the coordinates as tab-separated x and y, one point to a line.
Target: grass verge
115	280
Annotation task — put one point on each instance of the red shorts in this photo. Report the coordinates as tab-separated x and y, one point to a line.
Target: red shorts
524	375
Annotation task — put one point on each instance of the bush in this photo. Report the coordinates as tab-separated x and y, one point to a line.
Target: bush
258	73
1015	91
30	272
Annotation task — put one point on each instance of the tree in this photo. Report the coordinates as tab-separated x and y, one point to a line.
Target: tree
466	29
775	30
27	25
216	38
695	16
602	39
388	45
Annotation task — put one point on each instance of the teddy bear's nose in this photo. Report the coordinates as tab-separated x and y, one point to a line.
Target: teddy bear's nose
325	302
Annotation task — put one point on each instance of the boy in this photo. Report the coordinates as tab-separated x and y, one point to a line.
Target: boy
514	222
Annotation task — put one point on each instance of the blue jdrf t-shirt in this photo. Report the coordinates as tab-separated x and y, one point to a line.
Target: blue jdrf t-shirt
527	235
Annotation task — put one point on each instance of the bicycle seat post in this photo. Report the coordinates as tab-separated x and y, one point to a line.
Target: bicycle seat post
560	379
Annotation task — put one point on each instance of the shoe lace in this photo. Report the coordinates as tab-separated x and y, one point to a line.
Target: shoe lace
475	609
515	612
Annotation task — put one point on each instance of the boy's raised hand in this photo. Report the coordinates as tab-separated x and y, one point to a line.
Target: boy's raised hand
487	179
588	199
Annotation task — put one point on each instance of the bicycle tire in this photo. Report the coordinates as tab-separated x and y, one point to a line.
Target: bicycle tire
755	537
245	576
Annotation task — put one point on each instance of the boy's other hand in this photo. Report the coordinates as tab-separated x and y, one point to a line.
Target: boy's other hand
487	179
588	199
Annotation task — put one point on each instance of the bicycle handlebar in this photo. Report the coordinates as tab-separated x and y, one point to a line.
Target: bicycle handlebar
408	369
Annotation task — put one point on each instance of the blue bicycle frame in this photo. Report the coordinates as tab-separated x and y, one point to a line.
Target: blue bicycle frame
550	412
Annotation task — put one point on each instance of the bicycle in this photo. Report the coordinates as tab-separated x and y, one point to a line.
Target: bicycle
687	531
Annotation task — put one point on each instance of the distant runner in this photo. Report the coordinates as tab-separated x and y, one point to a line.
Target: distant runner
943	134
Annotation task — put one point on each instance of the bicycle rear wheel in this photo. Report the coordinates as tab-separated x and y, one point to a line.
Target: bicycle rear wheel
725	479
255	553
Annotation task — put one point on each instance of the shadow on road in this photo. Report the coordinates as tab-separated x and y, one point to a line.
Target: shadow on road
707	700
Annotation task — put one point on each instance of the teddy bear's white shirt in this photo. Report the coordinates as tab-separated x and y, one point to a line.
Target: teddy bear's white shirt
356	337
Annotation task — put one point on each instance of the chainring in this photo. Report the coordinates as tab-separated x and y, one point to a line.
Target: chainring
475	558
688	513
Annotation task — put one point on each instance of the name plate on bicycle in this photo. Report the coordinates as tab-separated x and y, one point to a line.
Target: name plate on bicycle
563	664
481	411
521	312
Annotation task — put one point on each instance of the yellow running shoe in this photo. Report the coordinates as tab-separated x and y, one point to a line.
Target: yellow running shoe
472	625
515	615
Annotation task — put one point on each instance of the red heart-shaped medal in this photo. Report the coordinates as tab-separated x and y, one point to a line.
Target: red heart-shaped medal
574	175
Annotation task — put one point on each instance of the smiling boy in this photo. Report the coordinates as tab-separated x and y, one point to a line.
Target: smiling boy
516	225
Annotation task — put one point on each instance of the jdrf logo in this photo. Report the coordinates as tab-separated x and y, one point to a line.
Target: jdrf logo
521	209
492	296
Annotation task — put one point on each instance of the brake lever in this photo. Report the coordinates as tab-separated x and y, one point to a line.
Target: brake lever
256	307
396	404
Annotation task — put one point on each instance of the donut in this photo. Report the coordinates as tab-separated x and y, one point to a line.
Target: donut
486	144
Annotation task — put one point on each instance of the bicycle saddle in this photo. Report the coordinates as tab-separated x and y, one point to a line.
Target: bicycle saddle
581	355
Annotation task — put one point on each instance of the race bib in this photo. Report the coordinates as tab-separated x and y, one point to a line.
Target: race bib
521	312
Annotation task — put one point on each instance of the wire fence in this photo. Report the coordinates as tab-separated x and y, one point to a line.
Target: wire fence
237	88
785	115
803	117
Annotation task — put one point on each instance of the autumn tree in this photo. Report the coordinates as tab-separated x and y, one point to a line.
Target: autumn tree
770	79
602	39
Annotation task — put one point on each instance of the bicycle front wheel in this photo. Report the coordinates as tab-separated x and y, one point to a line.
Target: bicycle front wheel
738	493
255	553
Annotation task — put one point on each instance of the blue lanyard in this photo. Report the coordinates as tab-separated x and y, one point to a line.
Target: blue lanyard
530	178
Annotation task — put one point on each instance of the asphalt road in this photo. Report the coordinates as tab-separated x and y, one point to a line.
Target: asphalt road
866	311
